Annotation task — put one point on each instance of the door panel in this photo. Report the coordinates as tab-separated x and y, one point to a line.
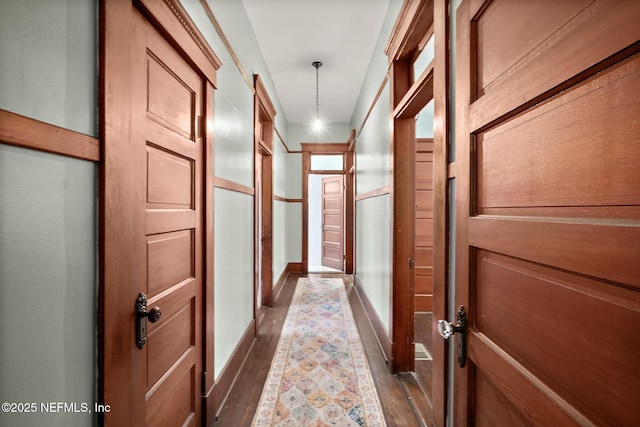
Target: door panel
168	222
548	212
333	222
423	241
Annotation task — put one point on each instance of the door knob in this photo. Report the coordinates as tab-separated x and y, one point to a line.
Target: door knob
447	329
154	315
141	319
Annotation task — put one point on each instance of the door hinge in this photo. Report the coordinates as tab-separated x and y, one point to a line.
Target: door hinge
201	127
412	263
204	382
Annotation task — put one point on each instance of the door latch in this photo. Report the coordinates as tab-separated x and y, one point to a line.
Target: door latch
141	319
447	329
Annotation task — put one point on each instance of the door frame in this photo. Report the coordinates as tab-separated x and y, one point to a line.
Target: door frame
264	117
116	299
417	20
346	149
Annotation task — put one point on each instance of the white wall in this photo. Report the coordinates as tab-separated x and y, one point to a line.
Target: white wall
233	281
373	169
48	213
373	253
279	231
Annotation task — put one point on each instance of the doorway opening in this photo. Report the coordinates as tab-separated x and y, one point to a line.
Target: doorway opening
327	195
326	223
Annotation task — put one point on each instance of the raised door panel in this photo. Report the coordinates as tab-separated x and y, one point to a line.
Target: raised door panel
548	212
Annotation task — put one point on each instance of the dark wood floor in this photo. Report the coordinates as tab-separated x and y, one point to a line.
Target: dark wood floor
401	398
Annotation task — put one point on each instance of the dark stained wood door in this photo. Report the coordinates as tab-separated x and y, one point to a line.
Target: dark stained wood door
548	212
333	222
423	271
167	236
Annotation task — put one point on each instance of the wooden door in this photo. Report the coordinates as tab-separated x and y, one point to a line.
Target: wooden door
333	222
167	147
548	212
423	271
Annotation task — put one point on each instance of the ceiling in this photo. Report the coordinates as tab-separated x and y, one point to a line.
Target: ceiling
340	33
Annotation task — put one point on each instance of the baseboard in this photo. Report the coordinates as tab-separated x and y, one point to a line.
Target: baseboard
381	334
215	398
292	267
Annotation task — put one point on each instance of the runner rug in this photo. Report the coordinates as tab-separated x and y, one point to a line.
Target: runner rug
319	375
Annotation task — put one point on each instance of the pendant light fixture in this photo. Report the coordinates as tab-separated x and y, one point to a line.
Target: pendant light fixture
318	124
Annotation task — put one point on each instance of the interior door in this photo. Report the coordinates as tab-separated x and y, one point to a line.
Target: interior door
168	222
333	222
548	212
423	271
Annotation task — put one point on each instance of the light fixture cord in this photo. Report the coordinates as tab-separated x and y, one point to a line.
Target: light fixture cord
317	95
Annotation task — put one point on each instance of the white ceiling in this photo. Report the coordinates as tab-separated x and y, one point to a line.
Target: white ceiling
339	33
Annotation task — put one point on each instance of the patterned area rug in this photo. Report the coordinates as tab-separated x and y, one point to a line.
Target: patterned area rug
319	375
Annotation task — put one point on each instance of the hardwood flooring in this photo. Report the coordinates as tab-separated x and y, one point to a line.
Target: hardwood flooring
396	391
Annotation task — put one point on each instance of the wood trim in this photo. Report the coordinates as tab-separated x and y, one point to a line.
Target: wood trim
374	193
264	114
414	20
327	172
325	148
462	191
26	132
230	373
277	287
349	208
284	144
167	13
373	104
227	44
306	165
115	245
284	199
403	220
418	95
263	96
381	334
233	186
441	171
292	267
352	141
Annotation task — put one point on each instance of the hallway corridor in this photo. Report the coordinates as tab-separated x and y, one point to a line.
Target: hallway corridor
399	409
